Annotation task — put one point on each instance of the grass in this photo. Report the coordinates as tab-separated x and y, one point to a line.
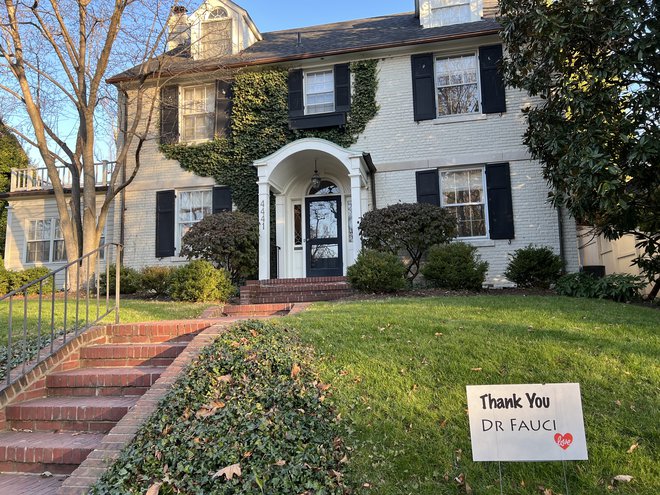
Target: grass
399	368
131	310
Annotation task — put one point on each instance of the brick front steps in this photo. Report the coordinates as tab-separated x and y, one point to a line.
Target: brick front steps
294	290
59	412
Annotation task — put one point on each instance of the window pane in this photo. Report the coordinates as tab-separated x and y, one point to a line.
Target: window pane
185	206
452	14
320	92
59	253
193	207
198	111
38	251
463	195
456	79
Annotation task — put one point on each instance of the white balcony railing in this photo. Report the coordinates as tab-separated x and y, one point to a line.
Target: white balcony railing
37	179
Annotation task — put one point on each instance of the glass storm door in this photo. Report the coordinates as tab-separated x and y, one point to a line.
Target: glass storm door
324	242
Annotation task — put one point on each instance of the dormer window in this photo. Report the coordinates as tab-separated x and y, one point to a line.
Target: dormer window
447	12
437	13
216	39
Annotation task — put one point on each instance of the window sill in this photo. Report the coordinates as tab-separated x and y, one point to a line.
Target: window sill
195	141
477	242
468	117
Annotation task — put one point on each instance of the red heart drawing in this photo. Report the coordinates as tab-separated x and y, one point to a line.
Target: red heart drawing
564	441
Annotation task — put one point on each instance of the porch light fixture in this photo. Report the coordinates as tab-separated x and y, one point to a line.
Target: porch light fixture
316	178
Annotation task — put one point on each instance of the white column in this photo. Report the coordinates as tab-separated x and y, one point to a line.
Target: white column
264	231
283	254
356	201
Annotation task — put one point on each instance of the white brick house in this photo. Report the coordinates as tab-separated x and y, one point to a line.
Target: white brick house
447	132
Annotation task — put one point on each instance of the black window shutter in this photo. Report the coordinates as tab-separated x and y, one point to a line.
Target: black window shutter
428	187
222	108
296	100
165	201
169	114
500	205
342	88
423	87
221	199
493	97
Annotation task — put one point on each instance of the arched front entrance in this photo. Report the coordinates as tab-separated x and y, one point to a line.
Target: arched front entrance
320	193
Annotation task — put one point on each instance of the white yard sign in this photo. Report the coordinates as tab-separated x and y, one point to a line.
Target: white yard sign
527	422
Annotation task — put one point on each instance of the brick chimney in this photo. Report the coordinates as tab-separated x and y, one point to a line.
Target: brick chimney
178	28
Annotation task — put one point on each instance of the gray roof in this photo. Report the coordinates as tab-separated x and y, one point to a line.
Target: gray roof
323	40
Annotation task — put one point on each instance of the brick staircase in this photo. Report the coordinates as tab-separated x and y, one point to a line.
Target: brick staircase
55	423
294	290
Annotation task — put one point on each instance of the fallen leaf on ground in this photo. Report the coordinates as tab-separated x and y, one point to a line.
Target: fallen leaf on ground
632	448
229	472
295	371
225	379
476	369
280	463
154	489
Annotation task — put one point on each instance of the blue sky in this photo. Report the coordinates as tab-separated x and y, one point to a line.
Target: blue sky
274	15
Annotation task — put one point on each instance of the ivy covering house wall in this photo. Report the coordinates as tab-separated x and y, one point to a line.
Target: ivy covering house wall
260	126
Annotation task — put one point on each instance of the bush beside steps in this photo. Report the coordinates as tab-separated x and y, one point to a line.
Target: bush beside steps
249	416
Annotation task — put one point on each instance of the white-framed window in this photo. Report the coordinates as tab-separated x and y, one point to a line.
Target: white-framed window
448	12
45	242
192	206
457	84
463	192
319	91
216	34
197	113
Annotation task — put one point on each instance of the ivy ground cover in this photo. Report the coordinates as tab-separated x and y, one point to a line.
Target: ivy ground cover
249	416
399	368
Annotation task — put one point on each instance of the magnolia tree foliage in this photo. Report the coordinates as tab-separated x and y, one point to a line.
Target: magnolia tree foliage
230	240
410	228
594	66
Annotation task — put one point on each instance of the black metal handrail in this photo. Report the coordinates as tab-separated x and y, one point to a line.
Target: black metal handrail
28	350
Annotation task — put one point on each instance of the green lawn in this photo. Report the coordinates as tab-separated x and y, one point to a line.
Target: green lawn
399	368
132	310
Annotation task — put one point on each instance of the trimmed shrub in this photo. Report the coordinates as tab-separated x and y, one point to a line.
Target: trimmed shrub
455	266
229	240
410	228
375	271
129	278
200	281
534	267
156	279
11	280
